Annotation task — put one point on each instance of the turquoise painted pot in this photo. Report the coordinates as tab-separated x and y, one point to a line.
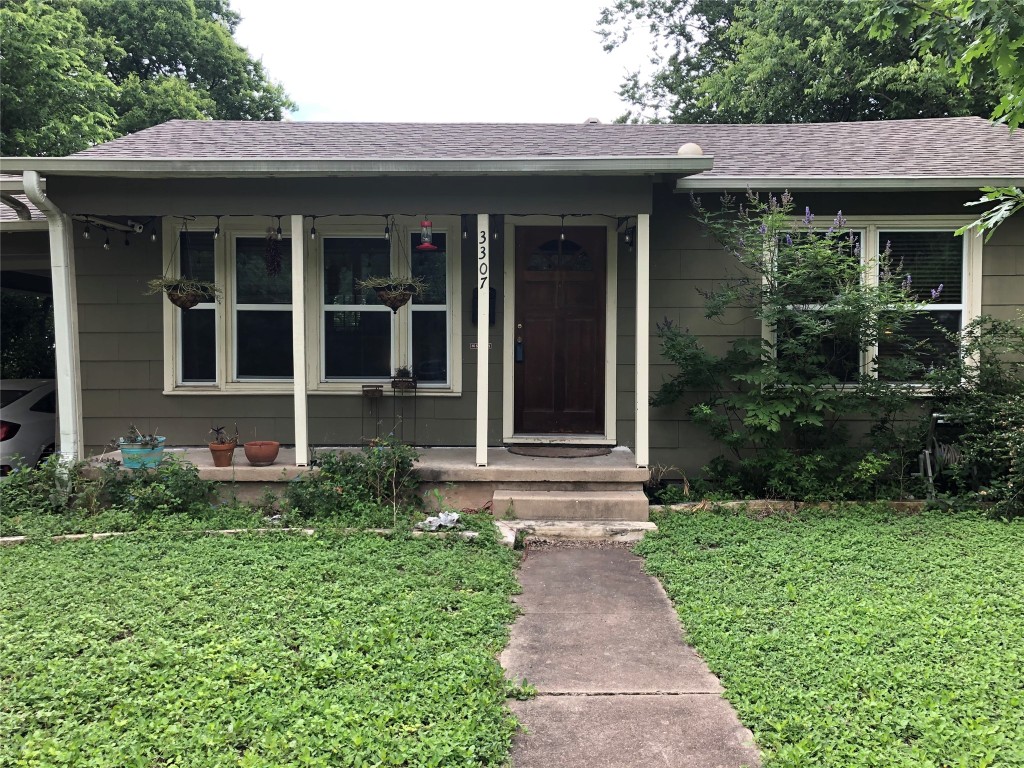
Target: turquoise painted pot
136	456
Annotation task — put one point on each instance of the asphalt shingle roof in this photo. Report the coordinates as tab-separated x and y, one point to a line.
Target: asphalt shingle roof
960	146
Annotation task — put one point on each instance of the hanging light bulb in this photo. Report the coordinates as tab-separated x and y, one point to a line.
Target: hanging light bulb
152	235
628	238
278	227
85	232
312	229
106	243
426	236
561	235
216	229
127	242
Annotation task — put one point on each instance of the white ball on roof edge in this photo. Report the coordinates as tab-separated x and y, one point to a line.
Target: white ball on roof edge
689	149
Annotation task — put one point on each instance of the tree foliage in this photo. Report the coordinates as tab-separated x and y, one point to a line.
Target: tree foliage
779	406
78	73
976	37
746	61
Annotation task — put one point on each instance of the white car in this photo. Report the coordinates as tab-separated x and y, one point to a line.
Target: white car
28	421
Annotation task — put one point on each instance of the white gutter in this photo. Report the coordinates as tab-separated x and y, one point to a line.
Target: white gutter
227	168
718	183
65	319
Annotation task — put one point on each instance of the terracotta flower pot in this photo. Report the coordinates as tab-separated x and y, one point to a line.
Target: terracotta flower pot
262	453
223	453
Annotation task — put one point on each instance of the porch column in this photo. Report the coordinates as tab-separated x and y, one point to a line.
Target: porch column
483	324
65	319
643	337
299	341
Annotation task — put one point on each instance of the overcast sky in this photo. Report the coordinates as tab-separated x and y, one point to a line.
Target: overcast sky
440	60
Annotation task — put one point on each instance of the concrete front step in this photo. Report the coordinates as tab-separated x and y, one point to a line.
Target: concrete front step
570	505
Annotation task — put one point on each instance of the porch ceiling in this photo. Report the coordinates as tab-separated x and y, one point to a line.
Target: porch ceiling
566	194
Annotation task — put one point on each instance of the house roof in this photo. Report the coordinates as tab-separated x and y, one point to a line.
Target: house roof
941	147
963	151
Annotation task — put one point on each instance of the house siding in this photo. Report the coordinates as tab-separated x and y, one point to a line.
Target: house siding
121	334
684	261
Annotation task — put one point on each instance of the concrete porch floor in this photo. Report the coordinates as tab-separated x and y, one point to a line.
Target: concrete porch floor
451	471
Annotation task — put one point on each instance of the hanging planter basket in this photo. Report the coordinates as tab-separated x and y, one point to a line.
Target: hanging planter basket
393	292
183	292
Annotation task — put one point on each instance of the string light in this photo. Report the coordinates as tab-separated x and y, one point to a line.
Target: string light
561	235
312	229
387	228
278	227
85	232
216	229
106	243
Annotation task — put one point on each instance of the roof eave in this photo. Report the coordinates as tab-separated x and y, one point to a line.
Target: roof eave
233	168
698	183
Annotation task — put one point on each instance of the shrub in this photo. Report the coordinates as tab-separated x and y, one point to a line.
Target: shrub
982	391
372	487
778	406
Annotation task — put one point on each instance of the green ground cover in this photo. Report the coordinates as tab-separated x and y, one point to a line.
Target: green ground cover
857	637
276	650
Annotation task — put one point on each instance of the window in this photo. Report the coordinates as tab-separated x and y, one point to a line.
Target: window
245	342
933	263
356	327
944	272
197	326
810	313
262	299
430	315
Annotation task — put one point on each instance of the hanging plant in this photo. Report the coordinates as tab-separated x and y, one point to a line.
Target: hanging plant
393	292
183	292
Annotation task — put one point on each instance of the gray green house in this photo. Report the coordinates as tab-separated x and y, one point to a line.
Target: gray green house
552	252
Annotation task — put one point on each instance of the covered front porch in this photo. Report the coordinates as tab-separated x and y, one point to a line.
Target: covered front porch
581	238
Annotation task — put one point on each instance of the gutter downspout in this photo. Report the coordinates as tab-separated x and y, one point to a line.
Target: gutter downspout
65	319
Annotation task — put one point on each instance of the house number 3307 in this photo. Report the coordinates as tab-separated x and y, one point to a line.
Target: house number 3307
482	265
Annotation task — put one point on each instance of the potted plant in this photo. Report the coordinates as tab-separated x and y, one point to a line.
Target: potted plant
403	378
261	453
222	448
184	292
139	450
393	292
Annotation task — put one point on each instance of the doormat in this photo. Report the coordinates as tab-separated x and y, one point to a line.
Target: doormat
560	451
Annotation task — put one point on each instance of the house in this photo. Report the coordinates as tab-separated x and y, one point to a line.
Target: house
551	252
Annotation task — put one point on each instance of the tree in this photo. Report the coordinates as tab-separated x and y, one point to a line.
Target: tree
742	61
975	37
77	73
54	97
780	406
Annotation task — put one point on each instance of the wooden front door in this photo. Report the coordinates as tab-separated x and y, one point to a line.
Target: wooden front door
558	344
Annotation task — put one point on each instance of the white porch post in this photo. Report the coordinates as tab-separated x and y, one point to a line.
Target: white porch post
299	341
643	337
483	323
65	319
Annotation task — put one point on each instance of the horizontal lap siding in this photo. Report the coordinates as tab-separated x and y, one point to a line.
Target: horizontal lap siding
121	345
684	261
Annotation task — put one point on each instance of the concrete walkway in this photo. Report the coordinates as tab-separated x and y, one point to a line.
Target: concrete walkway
617	685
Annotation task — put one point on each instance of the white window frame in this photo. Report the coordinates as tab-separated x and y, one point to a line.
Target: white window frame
870	227
327	226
